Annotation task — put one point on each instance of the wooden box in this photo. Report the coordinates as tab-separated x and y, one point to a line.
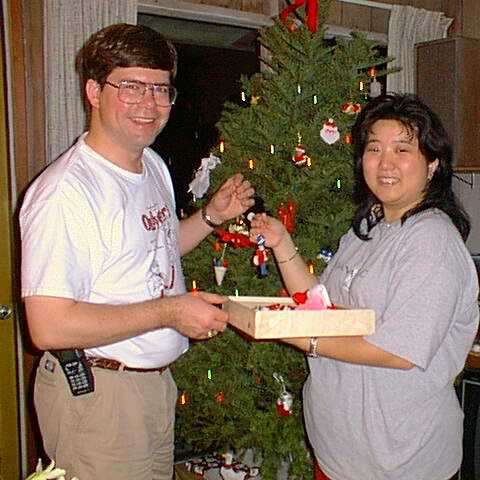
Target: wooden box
272	324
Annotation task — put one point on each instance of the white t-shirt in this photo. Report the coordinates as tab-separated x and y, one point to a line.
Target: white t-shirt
94	232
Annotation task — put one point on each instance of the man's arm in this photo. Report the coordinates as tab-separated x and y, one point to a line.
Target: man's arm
354	349
58	323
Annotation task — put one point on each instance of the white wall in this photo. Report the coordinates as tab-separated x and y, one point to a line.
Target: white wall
469	195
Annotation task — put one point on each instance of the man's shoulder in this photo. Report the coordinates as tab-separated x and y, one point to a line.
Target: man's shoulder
58	178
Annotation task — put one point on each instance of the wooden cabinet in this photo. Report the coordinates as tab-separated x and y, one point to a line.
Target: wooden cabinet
448	80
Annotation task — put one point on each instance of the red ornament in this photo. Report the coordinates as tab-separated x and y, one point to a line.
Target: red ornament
284	404
347	139
220	397
286	214
300	297
351	108
372	72
217	246
237	240
299	156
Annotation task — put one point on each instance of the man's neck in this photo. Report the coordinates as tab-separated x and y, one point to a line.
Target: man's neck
126	159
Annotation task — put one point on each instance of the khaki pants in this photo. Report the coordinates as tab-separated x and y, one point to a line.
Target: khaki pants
122	431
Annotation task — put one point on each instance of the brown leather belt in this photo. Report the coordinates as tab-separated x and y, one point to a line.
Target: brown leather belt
110	364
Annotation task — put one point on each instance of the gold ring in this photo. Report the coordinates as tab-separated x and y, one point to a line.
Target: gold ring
211	333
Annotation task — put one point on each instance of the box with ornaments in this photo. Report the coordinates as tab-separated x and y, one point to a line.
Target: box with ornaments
308	314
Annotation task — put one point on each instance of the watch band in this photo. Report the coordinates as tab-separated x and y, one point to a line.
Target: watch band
207	218
313	347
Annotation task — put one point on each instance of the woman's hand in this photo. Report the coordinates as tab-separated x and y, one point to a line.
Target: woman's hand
270	228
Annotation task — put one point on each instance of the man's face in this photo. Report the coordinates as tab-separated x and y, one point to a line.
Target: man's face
131	126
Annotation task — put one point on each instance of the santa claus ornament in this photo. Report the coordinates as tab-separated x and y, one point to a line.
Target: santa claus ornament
299	157
329	133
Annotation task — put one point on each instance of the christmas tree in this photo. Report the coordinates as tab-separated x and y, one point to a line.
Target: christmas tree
290	136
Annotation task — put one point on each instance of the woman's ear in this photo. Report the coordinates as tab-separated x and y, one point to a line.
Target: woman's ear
432	167
92	92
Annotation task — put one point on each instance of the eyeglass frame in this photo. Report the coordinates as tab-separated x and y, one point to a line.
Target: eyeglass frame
146	86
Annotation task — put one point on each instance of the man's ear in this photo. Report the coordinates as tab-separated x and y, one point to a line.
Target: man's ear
92	92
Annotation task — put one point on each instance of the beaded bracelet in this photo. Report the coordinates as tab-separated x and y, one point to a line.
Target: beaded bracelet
289	259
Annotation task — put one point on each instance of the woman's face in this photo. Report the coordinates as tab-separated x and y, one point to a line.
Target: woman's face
394	168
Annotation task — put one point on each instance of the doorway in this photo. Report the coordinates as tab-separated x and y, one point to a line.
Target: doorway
211	60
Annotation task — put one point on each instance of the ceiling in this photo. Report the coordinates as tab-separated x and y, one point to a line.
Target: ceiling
201	33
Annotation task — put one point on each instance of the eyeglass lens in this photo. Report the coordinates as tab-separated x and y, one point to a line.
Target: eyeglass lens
133	92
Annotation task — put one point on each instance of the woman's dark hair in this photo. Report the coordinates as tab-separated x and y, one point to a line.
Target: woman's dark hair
434	143
124	45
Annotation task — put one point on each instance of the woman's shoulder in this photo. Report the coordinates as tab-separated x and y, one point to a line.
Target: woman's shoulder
432	223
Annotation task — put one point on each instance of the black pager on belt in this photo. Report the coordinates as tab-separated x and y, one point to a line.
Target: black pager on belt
76	369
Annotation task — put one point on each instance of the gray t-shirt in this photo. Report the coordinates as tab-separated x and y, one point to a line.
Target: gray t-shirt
387	424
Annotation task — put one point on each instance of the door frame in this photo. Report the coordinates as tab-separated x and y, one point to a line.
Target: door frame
10	465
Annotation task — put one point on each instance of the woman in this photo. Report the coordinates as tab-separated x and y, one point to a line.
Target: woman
384	406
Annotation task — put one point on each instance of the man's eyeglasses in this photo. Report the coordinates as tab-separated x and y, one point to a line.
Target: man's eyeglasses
133	91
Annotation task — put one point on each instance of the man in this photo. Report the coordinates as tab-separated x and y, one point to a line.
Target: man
101	277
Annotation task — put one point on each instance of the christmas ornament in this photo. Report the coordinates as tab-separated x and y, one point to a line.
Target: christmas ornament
286	214
325	254
231	470
217	246
351	108
200	466
311	8
220	271
299	157
285	400
220	397
236	240
292	26
329	133
239	226
220	266
347	139
260	257
316	298
199	185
